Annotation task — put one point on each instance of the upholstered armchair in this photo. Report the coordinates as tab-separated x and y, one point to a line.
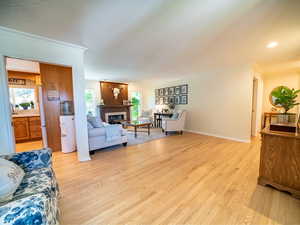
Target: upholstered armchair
147	116
175	123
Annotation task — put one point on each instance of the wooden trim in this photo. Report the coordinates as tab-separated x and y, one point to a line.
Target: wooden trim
115	106
267	131
265	182
110	82
21	73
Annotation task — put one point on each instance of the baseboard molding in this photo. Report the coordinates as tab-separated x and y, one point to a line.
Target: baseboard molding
220	136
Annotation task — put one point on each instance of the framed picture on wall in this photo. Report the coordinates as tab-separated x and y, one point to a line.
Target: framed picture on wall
161	92
177	100
157	101
166	100
171	91
177	90
184	89
171	99
183	99
166	91
161	100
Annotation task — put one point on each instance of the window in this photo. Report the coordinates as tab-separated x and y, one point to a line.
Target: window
136	102
90	101
24	98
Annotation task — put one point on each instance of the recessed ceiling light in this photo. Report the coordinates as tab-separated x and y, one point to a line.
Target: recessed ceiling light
272	44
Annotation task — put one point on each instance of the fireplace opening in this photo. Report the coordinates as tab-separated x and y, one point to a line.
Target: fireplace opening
115	117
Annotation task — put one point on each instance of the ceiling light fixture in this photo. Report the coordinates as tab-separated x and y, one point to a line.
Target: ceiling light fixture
272	44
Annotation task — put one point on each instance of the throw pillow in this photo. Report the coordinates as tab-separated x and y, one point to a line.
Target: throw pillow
11	176
89	125
95	121
175	116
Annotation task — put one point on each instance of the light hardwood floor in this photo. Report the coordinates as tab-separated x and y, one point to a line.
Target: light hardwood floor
27	146
188	179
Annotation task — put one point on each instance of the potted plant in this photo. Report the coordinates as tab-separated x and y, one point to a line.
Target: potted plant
32	105
285	98
25	105
171	106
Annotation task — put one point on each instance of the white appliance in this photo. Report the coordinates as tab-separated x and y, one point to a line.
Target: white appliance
42	117
67	127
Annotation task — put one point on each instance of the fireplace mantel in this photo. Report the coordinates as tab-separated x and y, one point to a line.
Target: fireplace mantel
115	106
114	103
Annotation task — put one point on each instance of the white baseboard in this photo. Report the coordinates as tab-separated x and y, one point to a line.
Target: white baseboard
220	136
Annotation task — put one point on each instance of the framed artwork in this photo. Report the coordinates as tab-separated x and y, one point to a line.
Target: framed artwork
184	89
161	92
177	90
166	91
156	92
161	100
156	100
172	95
171	100
171	91
183	99
166	100
177	100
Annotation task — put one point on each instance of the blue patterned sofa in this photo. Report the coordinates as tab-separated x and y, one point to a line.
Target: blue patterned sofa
35	202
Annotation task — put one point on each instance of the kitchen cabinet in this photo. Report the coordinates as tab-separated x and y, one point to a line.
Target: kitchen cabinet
27	128
21	129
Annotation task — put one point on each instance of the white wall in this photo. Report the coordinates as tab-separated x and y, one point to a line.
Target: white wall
220	101
271	81
26	46
22	65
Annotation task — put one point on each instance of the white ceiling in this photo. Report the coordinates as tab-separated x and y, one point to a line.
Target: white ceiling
139	39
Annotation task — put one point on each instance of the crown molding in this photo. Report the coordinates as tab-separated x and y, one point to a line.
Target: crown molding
43	38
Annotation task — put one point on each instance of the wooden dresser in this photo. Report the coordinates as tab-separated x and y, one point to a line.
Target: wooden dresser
280	161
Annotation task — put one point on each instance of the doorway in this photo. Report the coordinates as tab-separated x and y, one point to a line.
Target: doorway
254	108
25	105
41	97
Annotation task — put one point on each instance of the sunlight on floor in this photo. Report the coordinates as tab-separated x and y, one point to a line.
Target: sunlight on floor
27	146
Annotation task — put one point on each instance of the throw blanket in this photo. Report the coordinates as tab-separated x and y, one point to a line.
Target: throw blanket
113	132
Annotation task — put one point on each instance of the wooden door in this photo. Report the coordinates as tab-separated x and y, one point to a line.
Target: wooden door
21	129
57	86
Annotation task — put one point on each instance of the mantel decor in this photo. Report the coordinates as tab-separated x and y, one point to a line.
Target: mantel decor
177	95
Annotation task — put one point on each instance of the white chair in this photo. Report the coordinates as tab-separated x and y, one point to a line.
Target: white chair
176	123
147	116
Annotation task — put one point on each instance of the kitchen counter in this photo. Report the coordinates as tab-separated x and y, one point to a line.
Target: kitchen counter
24	115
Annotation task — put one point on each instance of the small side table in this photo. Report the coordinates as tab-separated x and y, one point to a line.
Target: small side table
158	118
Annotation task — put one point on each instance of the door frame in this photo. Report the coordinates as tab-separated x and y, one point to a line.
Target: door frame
254	107
22	45
5	111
